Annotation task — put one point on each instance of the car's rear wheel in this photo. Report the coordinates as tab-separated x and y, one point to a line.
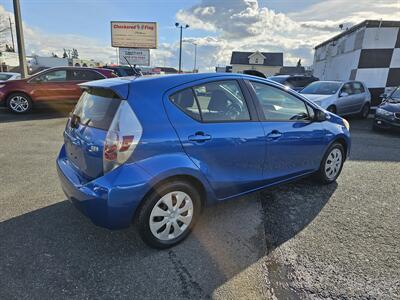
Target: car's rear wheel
332	109
332	164
365	111
168	214
19	103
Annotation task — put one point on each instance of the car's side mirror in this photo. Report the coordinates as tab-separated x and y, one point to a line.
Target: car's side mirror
319	116
343	94
383	96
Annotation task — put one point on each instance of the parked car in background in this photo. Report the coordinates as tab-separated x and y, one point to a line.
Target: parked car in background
387	115
4	76
340	97
295	82
53	84
156	150
122	71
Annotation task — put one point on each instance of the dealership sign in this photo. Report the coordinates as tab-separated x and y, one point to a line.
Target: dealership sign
134	35
139	57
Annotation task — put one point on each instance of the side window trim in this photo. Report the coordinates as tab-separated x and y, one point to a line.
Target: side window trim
198	105
259	105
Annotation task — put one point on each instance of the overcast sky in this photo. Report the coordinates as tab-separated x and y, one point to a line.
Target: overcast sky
293	27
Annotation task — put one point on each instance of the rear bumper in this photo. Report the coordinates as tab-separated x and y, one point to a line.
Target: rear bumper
111	200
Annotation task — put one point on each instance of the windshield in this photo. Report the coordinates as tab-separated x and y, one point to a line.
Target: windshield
279	79
96	108
395	95
5	76
321	88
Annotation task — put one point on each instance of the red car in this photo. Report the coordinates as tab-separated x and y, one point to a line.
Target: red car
53	84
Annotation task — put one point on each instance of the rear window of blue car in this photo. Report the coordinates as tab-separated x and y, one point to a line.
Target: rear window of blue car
97	107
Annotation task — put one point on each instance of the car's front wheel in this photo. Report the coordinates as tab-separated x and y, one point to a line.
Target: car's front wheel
331	164
19	103
168	214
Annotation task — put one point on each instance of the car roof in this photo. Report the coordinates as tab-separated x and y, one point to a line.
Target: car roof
330	81
76	68
120	85
292	75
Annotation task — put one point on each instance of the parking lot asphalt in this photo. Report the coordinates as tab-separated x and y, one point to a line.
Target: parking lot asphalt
296	241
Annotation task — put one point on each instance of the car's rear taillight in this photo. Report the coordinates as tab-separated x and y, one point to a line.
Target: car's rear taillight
122	137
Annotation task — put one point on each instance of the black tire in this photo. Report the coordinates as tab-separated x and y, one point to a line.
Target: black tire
321	174
142	220
364	111
332	109
25	103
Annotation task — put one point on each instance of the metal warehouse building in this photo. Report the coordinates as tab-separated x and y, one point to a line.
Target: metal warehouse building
369	52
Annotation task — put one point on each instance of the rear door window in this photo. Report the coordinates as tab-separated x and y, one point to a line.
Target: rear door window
187	102
84	75
97	107
221	101
218	101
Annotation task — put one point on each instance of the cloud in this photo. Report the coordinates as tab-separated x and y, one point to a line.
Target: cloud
231	25
244	25
41	43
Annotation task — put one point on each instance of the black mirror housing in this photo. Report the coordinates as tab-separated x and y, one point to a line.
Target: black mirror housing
319	116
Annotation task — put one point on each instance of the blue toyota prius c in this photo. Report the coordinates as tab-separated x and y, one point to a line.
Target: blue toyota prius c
154	151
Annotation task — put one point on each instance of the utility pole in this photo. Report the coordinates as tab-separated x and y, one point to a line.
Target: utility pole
20	39
195	57
181	27
12	33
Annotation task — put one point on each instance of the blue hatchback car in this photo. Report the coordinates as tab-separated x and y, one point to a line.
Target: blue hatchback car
154	151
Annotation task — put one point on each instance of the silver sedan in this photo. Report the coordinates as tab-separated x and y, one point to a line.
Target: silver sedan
4	76
340	97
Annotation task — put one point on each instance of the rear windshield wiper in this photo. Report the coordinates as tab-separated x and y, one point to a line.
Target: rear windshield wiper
75	120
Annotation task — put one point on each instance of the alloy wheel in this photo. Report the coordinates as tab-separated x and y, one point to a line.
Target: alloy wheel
171	216
19	104
333	163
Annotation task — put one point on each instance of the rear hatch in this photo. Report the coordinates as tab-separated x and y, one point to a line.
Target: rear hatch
86	130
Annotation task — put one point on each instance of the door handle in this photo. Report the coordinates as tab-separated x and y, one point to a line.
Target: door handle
274	134
199	137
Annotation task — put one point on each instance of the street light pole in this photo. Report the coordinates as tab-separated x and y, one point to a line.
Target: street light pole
195	57
181	27
180	51
20	39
